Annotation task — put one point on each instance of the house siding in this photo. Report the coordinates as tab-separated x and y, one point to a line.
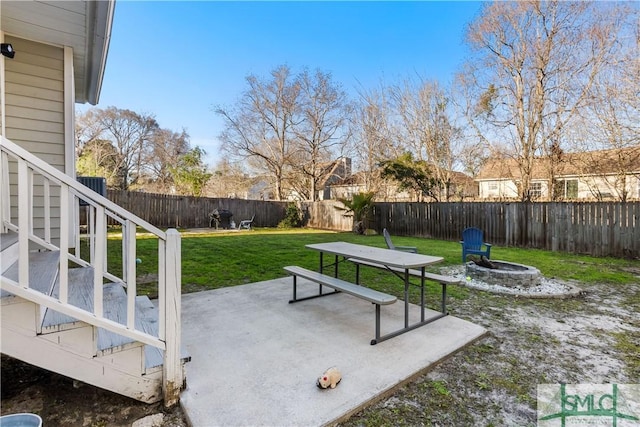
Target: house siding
497	189
610	174
589	188
34	115
607	187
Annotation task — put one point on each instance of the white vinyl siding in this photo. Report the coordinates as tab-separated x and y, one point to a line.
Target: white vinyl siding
34	112
497	189
45	21
35	98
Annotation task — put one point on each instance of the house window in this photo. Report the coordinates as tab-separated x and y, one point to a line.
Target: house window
567	188
535	190
571	189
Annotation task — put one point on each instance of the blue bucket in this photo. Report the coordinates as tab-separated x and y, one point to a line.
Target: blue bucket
20	420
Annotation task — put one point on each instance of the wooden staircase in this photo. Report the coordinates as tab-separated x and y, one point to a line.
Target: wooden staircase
69	299
58	342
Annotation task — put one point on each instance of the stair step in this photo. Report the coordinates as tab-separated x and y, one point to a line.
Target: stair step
7	239
8	250
43	269
147	314
80	295
114	308
147	321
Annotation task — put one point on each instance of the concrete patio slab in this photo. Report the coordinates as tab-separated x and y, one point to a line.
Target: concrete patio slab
256	358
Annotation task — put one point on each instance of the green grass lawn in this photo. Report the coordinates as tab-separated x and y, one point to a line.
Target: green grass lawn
212	260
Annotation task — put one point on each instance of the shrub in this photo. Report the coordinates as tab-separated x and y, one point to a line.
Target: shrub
292	217
359	207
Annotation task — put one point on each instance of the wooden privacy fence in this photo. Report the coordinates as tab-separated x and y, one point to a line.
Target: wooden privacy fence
326	216
594	228
163	210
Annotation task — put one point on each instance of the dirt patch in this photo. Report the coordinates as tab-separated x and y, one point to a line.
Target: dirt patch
61	401
590	339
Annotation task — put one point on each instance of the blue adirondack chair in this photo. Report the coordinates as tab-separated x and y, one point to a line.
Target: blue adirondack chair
472	243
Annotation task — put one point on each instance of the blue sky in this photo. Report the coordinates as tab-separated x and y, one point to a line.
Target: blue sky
177	60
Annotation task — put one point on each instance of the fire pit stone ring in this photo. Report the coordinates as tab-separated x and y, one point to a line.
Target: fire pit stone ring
508	274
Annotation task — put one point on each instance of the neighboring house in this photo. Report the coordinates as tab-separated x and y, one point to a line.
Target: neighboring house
334	172
64	307
345	188
329	173
594	175
337	181
355	183
462	187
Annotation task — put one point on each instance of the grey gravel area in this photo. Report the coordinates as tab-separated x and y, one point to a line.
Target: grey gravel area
547	288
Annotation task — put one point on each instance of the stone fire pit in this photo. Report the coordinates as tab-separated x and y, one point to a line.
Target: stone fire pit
508	274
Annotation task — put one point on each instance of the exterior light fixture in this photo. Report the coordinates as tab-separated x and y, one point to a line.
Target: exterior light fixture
7	50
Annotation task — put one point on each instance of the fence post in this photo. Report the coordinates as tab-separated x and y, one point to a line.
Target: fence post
172	367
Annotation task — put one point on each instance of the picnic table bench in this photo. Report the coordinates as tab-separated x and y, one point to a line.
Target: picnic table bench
339	285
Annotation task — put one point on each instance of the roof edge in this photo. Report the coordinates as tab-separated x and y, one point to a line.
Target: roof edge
99	22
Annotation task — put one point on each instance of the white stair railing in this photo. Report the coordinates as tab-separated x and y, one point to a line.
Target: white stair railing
21	173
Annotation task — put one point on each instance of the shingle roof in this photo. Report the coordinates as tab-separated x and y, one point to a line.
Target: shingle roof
571	164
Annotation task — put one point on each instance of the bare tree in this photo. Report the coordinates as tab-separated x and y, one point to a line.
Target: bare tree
426	128
372	130
167	147
259	127
228	180
536	64
98	158
129	133
87	129
324	111
611	121
94	156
